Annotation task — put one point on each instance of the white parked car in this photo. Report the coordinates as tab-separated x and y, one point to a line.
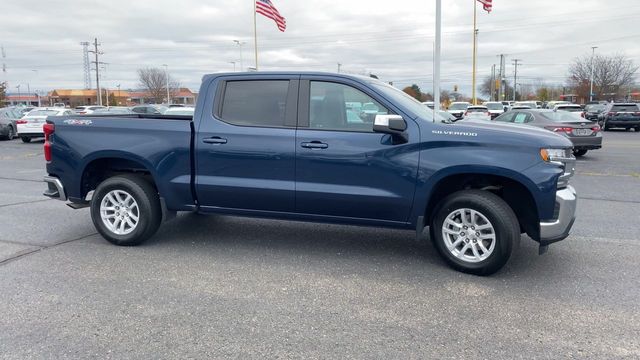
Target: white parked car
457	109
84	110
477	112
30	125
496	108
180	111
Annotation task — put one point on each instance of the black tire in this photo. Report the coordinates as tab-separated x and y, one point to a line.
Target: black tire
149	209
499	214
581	152
10	134
25	139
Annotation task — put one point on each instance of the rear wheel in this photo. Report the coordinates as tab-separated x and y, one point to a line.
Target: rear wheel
580	152
126	210
25	139
474	231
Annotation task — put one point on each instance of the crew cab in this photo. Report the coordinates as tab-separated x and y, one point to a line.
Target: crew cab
284	145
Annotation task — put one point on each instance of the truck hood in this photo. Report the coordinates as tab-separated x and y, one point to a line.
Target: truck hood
517	134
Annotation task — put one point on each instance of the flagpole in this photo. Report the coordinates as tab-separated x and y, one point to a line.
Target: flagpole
436	59
473	72
255	34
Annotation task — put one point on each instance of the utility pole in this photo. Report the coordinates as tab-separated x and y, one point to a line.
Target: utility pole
493	82
118	100
515	76
234	65
97	63
501	91
166	73
593	51
339	65
19	95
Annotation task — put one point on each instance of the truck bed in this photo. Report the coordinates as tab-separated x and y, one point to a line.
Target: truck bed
160	145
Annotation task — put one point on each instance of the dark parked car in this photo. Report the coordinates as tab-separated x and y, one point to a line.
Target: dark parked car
8	117
585	135
149	109
591	111
620	115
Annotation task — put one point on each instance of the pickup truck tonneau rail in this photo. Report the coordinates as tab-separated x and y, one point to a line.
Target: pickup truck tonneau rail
318	147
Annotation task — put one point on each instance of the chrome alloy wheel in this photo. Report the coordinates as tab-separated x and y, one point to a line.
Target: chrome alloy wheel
119	212
469	235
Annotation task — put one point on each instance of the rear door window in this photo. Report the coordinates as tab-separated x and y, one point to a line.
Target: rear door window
522	118
255	103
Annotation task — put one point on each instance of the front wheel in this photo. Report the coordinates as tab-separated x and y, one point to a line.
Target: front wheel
474	231
580	152
126	210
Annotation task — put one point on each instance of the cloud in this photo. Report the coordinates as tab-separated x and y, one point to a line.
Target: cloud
393	39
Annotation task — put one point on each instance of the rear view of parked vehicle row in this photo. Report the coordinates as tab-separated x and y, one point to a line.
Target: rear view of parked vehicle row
289	146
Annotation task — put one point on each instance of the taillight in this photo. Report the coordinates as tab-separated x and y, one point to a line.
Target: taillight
596	128
48	130
466	113
637	113
21	121
567	130
582	114
488	113
611	113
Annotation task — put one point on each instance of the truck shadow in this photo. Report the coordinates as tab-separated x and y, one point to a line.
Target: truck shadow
395	250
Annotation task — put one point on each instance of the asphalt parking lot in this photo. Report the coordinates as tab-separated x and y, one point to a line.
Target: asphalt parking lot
217	286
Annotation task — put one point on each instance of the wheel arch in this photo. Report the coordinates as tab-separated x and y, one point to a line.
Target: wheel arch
103	165
511	186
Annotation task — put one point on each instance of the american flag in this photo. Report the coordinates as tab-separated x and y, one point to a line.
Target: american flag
486	5
266	8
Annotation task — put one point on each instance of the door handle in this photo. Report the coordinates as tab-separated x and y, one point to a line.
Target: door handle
214	140
314	145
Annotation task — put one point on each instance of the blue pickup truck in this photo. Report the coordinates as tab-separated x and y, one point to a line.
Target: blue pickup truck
318	147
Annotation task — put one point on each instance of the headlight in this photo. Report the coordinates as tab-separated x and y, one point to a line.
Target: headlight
564	159
555	154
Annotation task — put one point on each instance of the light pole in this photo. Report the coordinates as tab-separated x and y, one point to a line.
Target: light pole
593	51
166	71
234	65
240	43
19	96
118	101
36	91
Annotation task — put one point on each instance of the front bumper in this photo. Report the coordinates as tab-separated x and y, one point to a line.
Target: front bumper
558	228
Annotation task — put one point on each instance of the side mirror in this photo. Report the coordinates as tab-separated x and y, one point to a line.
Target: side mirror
394	125
389	124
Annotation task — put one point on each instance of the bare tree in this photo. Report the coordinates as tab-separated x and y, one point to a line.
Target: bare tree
154	82
612	75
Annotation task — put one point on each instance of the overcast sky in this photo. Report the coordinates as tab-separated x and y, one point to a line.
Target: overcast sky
393	39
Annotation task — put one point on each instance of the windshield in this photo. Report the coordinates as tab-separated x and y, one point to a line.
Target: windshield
562	116
458	106
494	106
404	100
625	108
43	112
594	107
